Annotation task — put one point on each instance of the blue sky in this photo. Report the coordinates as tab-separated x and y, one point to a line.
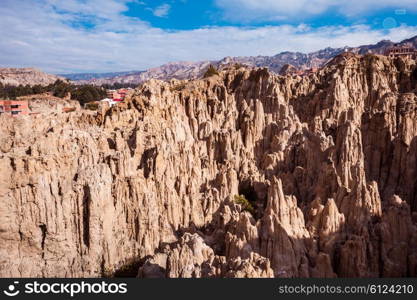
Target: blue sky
194	14
65	36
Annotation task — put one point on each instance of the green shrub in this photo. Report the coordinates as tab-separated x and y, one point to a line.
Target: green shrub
61	89
88	93
246	205
211	71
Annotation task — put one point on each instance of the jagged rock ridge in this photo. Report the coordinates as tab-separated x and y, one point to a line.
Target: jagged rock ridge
327	160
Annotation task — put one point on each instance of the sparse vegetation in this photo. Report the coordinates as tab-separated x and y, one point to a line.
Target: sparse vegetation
211	71
88	93
246	205
117	85
60	89
12	92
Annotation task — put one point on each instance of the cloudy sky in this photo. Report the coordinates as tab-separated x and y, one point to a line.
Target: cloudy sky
68	36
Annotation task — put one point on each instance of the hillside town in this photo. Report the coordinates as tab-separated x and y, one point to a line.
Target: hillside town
46	102
116	96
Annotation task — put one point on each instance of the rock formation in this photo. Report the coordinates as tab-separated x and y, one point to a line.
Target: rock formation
26	76
288	69
327	162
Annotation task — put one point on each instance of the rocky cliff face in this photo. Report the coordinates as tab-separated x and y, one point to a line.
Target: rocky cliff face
26	76
328	163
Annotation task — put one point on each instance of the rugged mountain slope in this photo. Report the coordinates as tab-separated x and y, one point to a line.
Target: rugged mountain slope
192	70
328	161
26	76
176	70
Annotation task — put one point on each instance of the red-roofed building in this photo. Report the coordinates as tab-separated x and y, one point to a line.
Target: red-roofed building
118	95
14	107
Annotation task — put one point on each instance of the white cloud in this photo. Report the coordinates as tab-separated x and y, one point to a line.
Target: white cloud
254	10
36	35
162	10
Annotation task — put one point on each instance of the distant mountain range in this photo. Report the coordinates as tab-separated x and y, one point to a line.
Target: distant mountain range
92	76
190	70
